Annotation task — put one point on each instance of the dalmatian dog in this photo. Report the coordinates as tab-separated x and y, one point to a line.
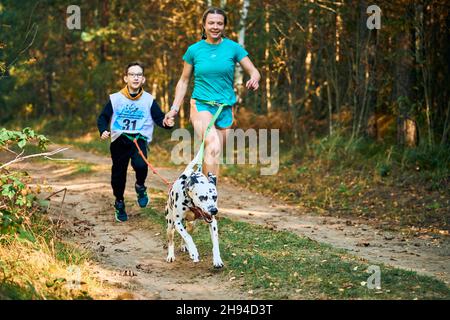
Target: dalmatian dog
192	196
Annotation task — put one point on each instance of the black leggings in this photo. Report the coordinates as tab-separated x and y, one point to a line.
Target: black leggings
122	150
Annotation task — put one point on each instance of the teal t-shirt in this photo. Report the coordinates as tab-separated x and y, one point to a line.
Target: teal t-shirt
214	66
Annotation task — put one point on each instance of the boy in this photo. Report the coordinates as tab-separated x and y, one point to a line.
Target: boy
130	113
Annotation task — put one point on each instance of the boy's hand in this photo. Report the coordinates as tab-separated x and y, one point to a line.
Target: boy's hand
105	135
169	119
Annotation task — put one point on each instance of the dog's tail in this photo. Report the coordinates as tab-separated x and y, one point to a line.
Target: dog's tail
192	164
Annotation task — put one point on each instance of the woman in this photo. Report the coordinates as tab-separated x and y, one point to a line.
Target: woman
213	60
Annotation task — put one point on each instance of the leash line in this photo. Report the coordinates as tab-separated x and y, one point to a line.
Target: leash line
149	164
211	123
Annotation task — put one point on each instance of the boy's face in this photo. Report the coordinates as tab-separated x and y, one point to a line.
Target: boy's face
134	78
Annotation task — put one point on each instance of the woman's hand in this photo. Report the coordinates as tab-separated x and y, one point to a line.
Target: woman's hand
252	84
169	119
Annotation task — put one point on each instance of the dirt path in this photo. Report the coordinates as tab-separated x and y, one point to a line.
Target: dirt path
133	247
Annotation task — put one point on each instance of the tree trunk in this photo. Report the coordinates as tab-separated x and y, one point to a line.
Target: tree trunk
370	121
403	85
268	96
239	72
424	67
308	59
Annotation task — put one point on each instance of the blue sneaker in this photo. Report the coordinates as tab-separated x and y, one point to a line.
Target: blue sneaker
142	197
120	214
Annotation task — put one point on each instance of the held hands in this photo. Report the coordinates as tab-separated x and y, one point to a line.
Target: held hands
105	135
252	84
169	119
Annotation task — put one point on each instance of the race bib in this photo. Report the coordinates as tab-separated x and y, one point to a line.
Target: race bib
129	118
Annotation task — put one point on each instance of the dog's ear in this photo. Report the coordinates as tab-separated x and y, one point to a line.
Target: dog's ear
212	178
191	180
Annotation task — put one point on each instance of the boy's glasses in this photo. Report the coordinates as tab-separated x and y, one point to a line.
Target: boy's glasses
139	75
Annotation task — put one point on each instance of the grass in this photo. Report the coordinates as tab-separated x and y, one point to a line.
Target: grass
282	265
45	268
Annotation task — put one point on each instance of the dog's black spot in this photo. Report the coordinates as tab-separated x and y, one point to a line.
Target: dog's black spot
178	215
184	208
183	177
175	206
193	180
176	196
171	193
202	182
170	221
214	228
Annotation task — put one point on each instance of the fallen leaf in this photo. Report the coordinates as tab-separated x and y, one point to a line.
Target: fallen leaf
363	244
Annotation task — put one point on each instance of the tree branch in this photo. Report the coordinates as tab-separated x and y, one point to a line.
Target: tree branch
44	154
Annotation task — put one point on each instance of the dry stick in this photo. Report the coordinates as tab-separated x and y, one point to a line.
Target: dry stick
62	202
9	150
446	126
18	158
53	159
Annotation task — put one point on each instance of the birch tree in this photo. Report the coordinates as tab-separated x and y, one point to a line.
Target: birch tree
239	78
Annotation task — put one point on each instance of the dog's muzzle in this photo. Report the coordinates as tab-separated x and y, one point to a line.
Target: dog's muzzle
199	213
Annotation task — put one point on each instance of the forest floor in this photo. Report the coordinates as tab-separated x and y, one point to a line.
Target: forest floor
131	256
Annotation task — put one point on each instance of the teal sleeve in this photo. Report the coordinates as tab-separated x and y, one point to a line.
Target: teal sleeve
241	53
188	56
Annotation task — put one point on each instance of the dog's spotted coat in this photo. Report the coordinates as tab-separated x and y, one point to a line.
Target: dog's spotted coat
192	190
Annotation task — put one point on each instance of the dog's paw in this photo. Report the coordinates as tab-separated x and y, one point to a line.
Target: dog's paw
183	248
195	257
170	258
218	263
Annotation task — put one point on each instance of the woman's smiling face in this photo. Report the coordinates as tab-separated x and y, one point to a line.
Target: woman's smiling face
214	26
